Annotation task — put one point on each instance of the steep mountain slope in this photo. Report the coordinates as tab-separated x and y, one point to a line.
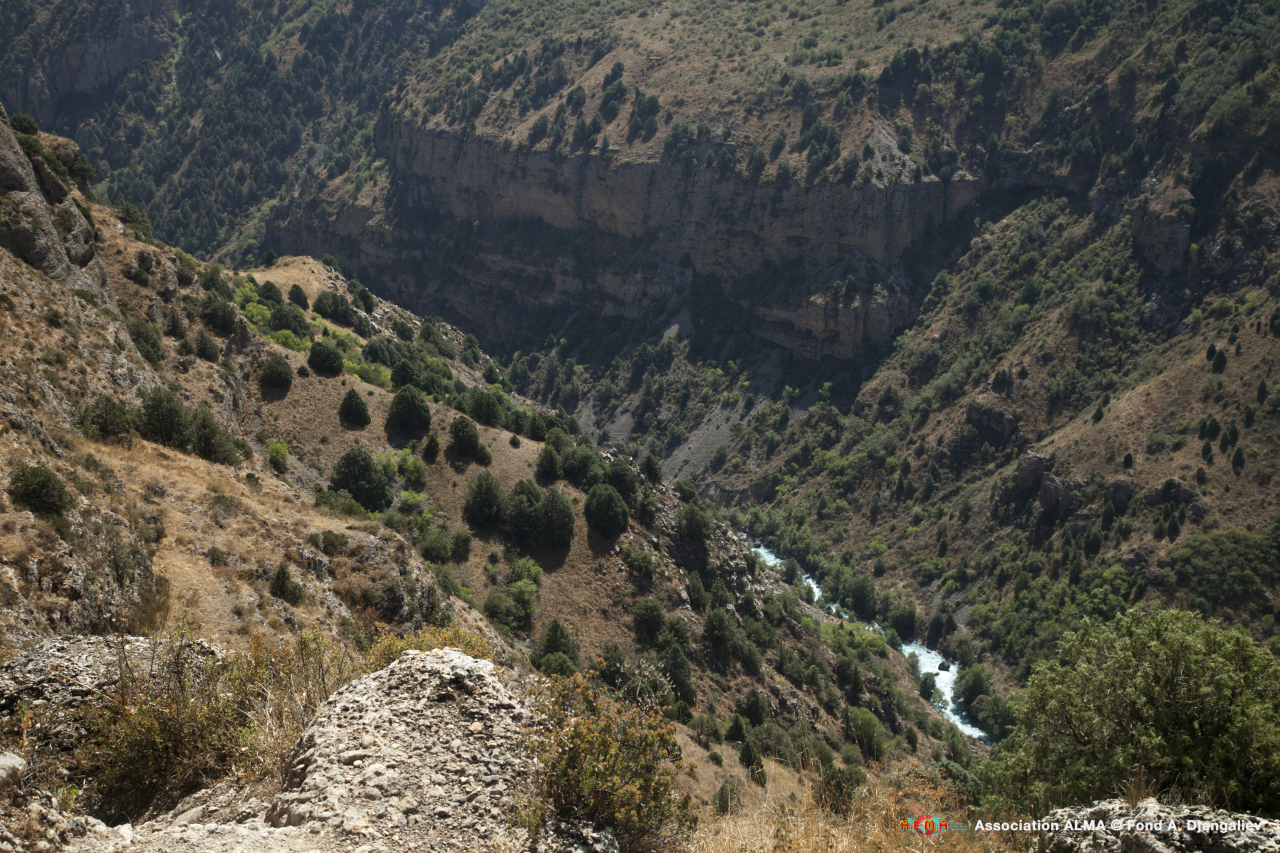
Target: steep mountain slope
187	452
985	341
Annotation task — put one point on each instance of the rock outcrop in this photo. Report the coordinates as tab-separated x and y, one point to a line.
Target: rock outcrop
421	755
40	223
1150	827
123	36
515	242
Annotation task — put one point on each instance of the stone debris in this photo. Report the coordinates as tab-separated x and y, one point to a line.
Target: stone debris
423	755
1113	826
66	671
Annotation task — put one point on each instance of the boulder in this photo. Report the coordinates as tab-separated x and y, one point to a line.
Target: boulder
1057	494
1119	492
11	769
988	413
1031	467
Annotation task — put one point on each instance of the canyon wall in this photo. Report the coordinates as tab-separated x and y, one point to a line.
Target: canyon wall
500	238
93	50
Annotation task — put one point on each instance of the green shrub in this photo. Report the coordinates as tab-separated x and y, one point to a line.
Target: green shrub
409	411
206	347
146	337
485	507
548	465
555	640
278	455
431	449
609	763
164	418
464	438
39	490
353	411
749	756
284	587
325	359
861	727
131	216
276	373
605	511
290	318
299	297
218	314
651	468
359	474
106	417
728	797
1157	692
839	786
210	440
971	684
23	123
737	729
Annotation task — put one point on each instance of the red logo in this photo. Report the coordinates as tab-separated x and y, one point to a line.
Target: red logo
925	825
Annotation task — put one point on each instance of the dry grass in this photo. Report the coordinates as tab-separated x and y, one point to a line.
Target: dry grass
787	817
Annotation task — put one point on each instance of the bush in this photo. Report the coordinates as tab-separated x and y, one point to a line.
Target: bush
605	511
609	763
557	520
218	314
749	757
23	123
623	479
290	318
555	640
353	411
206	347
359	474
431	450
284	587
861	727
651	468
325	359
839	786
299	297
106	417
276	373
409	411
728	797
1189	702
39	490
548	465
164	418
278	455
464	438
210	440
485	507
146	337
972	683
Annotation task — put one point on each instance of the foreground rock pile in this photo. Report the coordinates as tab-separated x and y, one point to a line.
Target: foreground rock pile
1113	826
422	755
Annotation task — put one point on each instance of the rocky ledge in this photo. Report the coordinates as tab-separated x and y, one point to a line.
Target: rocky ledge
1113	826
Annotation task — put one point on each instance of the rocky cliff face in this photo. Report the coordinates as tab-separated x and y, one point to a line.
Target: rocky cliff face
87	53
500	237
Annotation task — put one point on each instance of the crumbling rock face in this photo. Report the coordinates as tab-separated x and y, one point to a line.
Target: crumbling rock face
988	413
426	745
1183	829
39	223
421	755
66	671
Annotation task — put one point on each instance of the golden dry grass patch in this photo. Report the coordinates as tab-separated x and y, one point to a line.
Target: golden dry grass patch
787	816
